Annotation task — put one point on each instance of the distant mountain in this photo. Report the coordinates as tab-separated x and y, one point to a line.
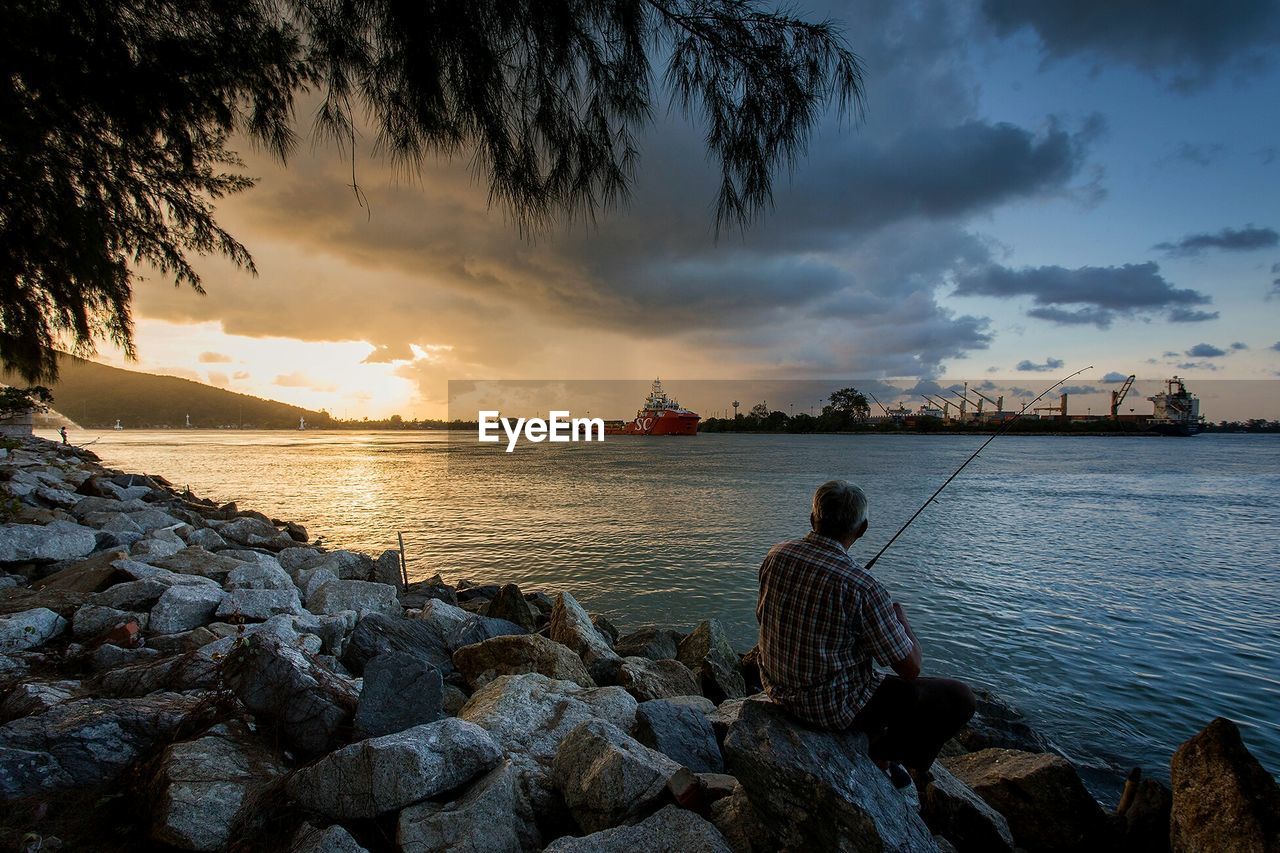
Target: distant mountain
95	396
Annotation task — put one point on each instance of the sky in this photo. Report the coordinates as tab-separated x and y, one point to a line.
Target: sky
1034	188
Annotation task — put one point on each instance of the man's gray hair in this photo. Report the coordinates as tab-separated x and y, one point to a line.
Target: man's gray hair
839	508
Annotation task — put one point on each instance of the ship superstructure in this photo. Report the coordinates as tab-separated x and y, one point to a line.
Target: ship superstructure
1177	410
660	415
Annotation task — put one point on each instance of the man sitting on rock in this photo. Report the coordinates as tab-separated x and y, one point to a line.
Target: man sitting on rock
823	618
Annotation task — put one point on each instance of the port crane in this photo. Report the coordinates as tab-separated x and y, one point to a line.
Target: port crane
998	402
943	405
1117	397
964	398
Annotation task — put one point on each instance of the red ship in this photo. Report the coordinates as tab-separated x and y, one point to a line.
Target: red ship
661	415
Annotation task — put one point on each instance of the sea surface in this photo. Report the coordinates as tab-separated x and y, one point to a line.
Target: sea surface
1121	591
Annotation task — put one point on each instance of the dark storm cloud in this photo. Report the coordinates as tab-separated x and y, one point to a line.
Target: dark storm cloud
1188	44
1101	294
1197	365
1190	315
1206	351
1115	376
1042	367
1080	389
1239	345
1244	239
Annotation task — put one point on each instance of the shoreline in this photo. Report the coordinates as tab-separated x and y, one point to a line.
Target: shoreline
182	618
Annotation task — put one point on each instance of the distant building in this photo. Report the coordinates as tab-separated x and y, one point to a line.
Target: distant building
16	426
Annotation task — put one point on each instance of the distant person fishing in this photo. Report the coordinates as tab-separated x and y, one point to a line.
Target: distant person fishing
63	432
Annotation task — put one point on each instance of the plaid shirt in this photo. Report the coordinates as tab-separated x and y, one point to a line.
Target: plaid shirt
822	620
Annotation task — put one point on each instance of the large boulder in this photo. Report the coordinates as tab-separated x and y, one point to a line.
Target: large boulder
388	569
385	774
608	777
198	561
258	605
418	593
400	691
259	575
347	565
203	788
571	626
681	732
818	790
512	655
92	621
650	641
706	651
361	596
648	679
529	715
1040	795
997	724
738	822
377	633
951	809
255	533
87	742
57	540
1146	823
510	604
185	606
1223	798
669	830
34	697
482	820
305	702
331	839
29	629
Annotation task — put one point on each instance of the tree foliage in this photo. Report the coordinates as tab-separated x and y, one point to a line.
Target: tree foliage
116	115
19	401
850	404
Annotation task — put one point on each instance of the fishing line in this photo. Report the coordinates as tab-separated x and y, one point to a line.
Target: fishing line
956	473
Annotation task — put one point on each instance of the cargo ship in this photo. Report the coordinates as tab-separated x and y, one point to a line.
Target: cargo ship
661	415
1177	411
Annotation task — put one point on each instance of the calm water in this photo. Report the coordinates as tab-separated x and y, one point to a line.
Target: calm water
1121	591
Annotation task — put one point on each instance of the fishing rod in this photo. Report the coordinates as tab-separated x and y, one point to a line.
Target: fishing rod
974	456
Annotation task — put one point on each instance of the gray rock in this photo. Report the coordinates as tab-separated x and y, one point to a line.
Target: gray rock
255	533
1040	795
951	809
60	498
510	604
648	679
706	651
700	704
681	733
260	604
332	630
361	596
377	633
482	662
741	827
310	580
650	642
332	839
108	656
669	830
203	788
386	569
997	724
260	575
184	607
207	539
418	593
293	560
571	626
280	684
477	629
57	540
607	777
198	561
35	697
400	691
529	715
385	774
86	742
447	617
482	820
818	790
347	565
112	522
29	629
153	519
1223	798
89	505
154	549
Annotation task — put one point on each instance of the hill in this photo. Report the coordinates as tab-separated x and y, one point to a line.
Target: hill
95	396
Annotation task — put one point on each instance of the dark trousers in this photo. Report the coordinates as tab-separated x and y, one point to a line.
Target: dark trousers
908	721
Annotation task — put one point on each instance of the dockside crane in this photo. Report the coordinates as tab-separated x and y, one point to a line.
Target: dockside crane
1117	397
944	405
998	402
965	399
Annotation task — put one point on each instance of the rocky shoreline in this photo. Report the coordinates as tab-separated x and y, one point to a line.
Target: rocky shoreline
175	674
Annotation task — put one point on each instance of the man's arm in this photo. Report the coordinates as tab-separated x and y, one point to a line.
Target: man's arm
908	667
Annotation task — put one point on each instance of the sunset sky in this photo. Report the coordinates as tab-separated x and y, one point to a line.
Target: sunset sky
1084	183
